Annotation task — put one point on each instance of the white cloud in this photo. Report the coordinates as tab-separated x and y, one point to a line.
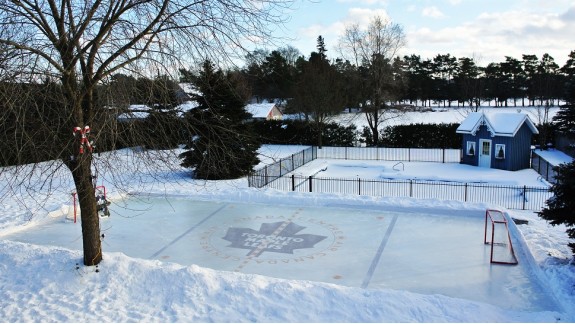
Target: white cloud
361	16
432	12
496	35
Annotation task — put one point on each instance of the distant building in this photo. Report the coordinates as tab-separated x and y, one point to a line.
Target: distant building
499	140
134	112
264	111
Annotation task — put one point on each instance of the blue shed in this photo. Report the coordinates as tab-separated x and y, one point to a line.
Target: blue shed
499	140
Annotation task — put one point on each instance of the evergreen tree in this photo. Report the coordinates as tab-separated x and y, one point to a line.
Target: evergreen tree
565	120
569	71
222	145
561	207
318	90
565	117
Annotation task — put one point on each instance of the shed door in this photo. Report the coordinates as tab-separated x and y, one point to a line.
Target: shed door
485	153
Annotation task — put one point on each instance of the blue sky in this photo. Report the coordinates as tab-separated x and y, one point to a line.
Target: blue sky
486	30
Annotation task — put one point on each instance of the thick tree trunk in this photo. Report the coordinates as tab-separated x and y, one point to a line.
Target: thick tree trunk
319	135
374	136
82	175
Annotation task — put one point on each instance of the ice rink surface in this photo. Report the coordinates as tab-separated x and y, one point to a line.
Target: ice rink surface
427	252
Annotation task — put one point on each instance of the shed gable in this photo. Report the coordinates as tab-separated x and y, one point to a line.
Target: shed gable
499	124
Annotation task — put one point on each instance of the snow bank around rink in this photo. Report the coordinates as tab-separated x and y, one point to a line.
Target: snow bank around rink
549	257
48	284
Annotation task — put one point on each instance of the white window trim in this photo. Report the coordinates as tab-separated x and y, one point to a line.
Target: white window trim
471	144
499	147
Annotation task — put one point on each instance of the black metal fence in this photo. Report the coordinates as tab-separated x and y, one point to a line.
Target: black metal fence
391	154
262	177
543	167
512	197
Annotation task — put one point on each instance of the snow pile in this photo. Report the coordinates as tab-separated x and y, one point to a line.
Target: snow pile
46	284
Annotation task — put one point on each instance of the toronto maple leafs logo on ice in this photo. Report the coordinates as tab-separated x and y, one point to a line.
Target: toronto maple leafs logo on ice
280	237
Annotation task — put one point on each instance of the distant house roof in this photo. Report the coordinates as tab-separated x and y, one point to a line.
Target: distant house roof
189	88
498	124
186	106
264	111
135	112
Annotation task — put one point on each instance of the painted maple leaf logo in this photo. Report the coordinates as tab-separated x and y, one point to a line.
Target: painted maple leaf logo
280	237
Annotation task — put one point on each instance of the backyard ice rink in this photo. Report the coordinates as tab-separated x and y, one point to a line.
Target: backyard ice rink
421	251
412	255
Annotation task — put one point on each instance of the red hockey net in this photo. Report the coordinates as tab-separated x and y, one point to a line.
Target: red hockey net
497	235
101	199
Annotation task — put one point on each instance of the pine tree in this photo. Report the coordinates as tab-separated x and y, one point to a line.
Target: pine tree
321	47
561	207
565	120
222	145
565	117
569	70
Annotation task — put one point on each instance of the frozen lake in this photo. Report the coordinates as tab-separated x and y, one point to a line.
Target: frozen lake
427	252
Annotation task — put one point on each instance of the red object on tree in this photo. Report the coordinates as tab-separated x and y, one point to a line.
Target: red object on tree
83	138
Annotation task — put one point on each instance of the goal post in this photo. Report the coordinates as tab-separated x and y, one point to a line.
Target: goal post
498	237
101	204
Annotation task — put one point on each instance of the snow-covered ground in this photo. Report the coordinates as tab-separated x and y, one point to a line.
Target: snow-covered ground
443	115
49	284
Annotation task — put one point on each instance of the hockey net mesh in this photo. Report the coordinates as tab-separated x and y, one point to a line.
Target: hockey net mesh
498	237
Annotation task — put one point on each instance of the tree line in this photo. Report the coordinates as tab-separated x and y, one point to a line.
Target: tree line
443	80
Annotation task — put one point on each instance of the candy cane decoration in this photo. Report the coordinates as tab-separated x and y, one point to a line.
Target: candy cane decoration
83	138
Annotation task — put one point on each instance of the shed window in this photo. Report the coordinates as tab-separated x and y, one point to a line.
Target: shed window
470	148
499	151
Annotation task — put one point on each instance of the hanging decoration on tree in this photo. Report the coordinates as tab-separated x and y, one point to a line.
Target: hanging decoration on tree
83	133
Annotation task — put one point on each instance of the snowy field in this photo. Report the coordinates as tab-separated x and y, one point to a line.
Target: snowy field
47	283
442	115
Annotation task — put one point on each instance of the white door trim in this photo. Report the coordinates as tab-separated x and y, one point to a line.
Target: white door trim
484	153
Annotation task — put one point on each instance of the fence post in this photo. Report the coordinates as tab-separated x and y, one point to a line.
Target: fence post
292	163
359	185
411	188
310	187
409	154
465	198
266	175
443	155
292	182
524	196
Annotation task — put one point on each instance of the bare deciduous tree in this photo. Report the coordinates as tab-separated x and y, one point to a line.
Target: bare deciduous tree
375	48
78	45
